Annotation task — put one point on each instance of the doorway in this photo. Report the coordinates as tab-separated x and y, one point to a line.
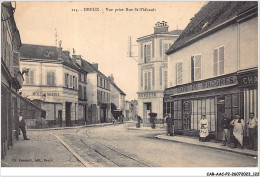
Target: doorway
68	113
60	117
147	110
220	112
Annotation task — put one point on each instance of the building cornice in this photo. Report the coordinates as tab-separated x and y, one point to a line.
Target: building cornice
155	36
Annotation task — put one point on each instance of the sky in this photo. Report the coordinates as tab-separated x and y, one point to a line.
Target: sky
101	36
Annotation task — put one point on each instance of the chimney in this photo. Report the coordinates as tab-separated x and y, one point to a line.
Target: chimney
95	65
111	78
66	54
60	51
77	58
161	27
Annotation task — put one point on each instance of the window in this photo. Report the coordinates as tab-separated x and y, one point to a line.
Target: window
85	93
51	78
66	80
30	77
166	46
80	91
165	75
71	81
218	60
179	72
197	67
100	82
74	82
147	53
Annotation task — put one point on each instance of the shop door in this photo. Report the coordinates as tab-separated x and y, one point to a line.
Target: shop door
220	112
186	115
147	110
68	114
102	115
60	117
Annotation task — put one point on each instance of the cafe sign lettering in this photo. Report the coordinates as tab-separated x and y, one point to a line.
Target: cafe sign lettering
46	94
248	80
205	85
147	95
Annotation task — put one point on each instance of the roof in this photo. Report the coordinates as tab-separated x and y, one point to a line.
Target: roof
173	32
38	51
90	68
210	16
116	87
32	51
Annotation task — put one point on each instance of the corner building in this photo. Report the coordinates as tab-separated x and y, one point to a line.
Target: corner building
213	68
153	70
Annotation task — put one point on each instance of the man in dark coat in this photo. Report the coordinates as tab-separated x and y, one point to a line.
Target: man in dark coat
22	127
225	124
170	123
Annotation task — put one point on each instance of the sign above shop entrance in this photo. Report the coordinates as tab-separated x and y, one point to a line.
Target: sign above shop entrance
208	84
147	95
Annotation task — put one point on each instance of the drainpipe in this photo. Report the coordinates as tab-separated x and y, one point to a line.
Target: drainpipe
238	46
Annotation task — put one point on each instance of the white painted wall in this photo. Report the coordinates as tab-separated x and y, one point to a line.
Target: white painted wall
226	37
248	44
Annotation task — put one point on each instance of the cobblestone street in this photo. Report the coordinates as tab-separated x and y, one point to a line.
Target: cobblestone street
115	146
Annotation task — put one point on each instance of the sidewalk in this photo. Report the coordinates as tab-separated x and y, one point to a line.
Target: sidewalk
195	141
42	150
74	127
146	128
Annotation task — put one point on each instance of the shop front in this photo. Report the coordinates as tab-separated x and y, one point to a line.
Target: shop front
247	82
211	97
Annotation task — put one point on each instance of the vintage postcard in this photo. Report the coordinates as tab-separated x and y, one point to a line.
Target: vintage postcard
130	84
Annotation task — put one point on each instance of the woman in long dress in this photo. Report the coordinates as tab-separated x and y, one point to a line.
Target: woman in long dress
204	131
238	130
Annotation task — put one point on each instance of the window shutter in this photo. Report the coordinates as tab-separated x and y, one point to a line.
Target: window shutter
149	80
142	51
145	81
153	47
65	80
148	53
48	78
197	67
160	75
221	60
215	61
165	79
179	72
16	60
141	78
53	79
192	68
160	48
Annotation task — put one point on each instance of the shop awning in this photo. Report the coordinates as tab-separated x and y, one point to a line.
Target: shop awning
24	100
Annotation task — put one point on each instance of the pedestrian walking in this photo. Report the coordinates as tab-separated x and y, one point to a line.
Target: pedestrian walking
252	127
204	131
22	125
238	130
139	121
170	123
225	123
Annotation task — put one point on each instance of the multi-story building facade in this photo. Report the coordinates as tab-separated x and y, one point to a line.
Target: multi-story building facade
52	82
212	67
153	69
12	103
117	95
99	105
82	88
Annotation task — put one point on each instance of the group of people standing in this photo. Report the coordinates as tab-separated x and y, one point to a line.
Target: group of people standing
233	131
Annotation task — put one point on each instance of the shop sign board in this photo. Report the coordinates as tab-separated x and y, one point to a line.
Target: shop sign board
208	84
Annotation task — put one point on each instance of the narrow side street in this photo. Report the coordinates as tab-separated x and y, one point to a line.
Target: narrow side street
116	146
